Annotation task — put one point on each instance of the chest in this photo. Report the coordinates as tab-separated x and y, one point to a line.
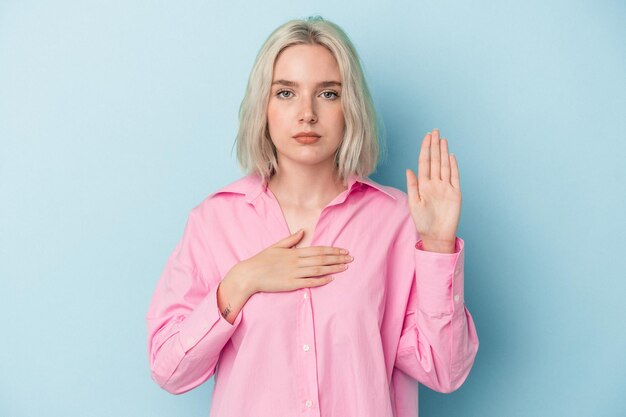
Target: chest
302	219
354	303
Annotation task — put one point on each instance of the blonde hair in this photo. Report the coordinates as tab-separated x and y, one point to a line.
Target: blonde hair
359	149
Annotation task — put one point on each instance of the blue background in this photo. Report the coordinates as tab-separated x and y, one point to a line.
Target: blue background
118	117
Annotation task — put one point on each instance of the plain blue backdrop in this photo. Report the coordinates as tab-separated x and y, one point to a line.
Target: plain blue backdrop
118	117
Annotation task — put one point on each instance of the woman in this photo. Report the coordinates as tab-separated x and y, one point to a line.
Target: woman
260	291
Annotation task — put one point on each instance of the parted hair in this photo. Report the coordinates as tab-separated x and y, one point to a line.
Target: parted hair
359	151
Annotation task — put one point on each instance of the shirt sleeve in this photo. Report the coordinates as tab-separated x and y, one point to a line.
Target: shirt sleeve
438	342
186	332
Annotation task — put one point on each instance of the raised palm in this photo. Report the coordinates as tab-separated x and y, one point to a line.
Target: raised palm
435	194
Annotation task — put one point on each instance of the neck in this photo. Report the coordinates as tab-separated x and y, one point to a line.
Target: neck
308	187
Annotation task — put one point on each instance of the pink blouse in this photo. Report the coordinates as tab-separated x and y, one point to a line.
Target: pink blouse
355	347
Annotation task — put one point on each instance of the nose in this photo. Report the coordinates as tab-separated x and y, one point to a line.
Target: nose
307	112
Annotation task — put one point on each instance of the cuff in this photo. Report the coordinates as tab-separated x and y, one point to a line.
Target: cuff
206	318
439	278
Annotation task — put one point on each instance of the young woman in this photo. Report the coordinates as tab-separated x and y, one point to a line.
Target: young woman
305	287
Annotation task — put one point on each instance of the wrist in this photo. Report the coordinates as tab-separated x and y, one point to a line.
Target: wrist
239	282
439	246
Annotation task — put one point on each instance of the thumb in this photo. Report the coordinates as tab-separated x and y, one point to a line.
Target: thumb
412	187
290	240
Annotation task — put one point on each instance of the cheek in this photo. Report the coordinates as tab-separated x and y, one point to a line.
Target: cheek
276	116
334	113
271	113
338	119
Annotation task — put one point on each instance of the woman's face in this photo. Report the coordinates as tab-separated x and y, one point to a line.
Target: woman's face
305	97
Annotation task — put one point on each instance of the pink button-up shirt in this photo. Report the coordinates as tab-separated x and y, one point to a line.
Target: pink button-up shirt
355	347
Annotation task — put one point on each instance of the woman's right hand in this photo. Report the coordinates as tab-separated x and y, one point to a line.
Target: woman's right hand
281	267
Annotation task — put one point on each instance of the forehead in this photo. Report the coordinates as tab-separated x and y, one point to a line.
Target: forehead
308	61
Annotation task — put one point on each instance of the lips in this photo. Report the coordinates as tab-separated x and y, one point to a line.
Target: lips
306	133
306	137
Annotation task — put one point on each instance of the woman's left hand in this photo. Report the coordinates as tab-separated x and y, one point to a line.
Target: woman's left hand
435	195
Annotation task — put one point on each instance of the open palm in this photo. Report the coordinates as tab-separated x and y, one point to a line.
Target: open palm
435	194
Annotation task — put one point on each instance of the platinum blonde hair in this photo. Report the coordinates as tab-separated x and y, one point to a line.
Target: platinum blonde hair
359	150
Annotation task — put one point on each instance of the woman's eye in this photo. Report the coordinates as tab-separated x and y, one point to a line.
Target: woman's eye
279	93
335	95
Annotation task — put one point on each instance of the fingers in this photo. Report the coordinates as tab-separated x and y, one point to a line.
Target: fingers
435	161
423	163
290	240
315	282
320	250
454	175
445	161
317	270
324	260
435	156
412	188
321	260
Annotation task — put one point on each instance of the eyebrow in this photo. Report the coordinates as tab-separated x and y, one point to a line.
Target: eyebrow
295	84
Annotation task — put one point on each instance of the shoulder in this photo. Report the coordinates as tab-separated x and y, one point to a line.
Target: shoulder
228	196
387	195
401	210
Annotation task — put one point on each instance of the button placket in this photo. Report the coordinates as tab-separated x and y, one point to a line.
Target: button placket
308	359
307	366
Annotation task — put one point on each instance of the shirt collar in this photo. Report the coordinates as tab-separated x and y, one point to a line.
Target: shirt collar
251	186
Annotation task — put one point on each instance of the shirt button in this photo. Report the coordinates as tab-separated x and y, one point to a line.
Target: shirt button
456	298
305	348
308	403
305	296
